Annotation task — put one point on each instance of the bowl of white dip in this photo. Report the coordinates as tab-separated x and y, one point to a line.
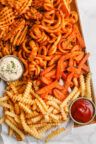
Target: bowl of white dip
11	68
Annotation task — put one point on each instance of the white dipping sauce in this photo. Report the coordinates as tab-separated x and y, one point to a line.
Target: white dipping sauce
10	68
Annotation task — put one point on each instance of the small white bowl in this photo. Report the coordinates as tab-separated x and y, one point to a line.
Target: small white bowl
20	64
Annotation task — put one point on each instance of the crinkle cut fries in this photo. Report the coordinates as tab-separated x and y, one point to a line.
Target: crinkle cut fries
45	36
26	113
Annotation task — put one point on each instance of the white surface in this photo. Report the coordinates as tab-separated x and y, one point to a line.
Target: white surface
86	134
87	10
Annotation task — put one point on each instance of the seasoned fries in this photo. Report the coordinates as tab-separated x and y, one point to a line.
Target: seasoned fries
44	35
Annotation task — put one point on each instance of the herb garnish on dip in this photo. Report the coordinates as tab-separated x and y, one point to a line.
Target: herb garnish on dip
10	68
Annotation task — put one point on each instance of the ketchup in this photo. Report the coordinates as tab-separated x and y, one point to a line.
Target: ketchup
82	110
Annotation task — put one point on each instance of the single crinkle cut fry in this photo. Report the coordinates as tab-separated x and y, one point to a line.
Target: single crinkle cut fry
76	95
10	95
15	129
54	117
50	109
27	90
53	104
64	115
16	109
82	85
33	114
25	108
32	131
88	86
35	119
70	96
41	101
40	107
38	125
49	97
54	133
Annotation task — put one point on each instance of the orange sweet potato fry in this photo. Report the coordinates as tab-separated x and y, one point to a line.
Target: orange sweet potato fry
60	67
68	82
54	59
74	70
48	88
46	80
86	68
83	61
59	86
58	94
48	69
51	73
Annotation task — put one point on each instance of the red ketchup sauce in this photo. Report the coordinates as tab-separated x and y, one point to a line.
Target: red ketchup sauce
82	110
